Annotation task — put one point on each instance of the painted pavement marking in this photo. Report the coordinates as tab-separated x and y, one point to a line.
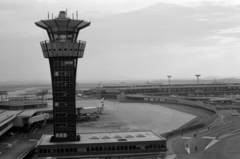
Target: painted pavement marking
211	143
188	150
209	137
186	137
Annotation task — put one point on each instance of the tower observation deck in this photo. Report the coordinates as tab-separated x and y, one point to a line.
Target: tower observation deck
63	50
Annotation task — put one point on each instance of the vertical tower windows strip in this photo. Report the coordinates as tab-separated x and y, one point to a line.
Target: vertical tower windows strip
63	70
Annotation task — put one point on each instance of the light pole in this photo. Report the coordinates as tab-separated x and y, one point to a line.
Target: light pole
169	79
197	78
169	85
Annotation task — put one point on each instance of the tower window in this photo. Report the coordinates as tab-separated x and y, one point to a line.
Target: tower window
62	73
62	38
56	37
163	146
69	37
66	63
65	94
62	104
75	149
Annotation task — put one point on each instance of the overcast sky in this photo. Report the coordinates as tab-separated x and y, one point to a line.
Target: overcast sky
127	39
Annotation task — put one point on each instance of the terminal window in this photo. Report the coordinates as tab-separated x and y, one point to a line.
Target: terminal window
61	135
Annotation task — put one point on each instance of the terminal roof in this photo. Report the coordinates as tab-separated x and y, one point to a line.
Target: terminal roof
6	116
19	103
182	86
3	92
31	112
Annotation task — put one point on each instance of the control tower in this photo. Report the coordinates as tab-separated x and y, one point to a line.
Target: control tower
63	50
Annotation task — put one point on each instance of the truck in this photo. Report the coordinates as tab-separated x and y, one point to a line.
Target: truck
233	112
86	113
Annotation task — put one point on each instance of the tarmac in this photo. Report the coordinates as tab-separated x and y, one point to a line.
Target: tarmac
116	116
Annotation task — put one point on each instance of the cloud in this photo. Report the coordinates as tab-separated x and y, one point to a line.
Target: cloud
202	19
223	39
228	31
126	37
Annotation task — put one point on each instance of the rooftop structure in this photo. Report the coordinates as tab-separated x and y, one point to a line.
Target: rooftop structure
108	137
6	120
102	145
63	50
6	116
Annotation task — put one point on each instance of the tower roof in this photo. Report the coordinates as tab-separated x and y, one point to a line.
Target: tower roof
62	24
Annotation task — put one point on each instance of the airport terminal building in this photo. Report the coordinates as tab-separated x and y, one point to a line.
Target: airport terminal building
187	90
22	118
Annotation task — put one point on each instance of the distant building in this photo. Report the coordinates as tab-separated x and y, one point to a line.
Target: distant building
218	89
216	82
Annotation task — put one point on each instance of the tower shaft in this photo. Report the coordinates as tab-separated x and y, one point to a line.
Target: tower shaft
63	73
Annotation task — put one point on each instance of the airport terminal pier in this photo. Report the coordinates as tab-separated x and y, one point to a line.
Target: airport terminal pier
63	50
